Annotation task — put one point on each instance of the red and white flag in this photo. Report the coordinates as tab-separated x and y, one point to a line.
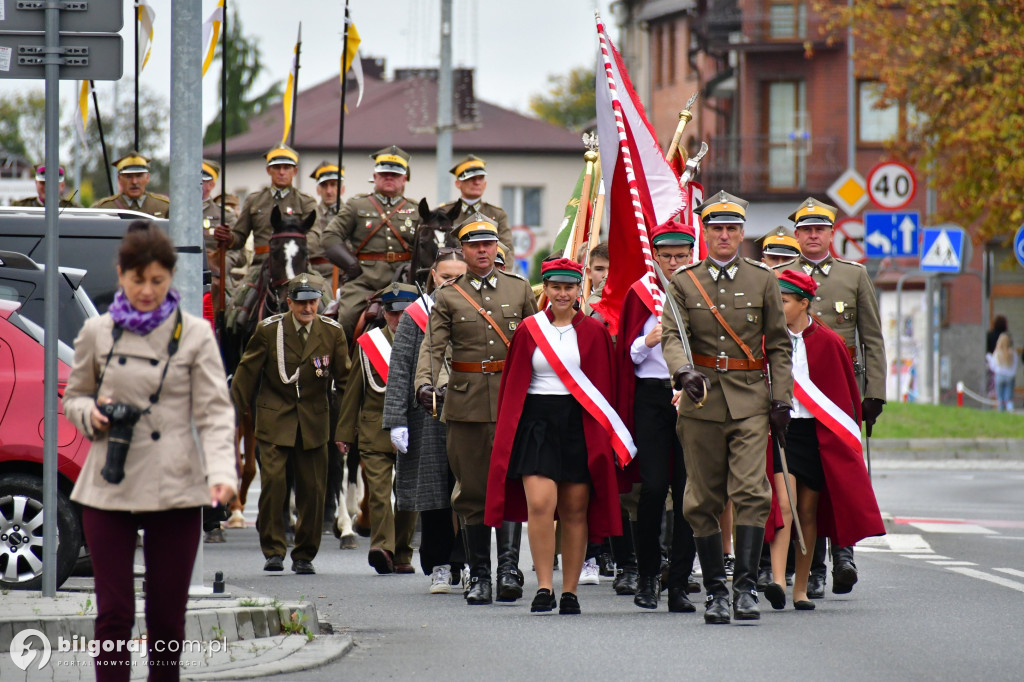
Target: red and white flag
377	349
642	189
420	311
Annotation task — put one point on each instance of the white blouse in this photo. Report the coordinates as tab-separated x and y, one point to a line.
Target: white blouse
544	380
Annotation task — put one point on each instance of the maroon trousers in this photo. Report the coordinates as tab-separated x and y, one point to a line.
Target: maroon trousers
169	547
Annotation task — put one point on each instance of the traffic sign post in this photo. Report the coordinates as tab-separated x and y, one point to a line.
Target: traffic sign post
891	185
1018	245
891	234
942	249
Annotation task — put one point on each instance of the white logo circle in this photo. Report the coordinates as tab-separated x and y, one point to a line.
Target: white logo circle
22	652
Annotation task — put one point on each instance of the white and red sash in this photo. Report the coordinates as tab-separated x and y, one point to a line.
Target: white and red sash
643	289
582	388
377	349
420	311
824	410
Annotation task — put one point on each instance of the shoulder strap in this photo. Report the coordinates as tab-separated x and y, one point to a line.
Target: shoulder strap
483	313
385	220
721	320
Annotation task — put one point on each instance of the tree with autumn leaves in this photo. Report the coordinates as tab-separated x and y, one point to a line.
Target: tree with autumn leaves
959	66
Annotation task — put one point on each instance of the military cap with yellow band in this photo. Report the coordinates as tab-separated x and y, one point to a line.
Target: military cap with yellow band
813	212
211	170
476	228
779	242
502	255
723	209
391	160
326	171
132	162
282	154
469	167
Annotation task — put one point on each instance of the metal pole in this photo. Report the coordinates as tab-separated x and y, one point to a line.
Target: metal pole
103	141
136	147
52	203
295	87
851	97
444	105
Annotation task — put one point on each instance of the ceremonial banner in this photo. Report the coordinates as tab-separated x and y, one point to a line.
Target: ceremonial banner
582	388
146	17
82	109
642	189
377	349
350	60
420	312
289	91
211	33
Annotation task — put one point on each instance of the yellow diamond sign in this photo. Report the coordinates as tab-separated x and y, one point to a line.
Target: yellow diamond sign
849	191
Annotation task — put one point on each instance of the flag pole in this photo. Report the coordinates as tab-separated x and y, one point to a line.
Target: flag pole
341	116
579	224
221	254
685	116
295	86
103	141
136	148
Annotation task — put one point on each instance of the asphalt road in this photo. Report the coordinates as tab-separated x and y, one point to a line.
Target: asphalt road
938	599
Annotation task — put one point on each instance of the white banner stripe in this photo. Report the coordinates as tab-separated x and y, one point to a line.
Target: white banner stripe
378	350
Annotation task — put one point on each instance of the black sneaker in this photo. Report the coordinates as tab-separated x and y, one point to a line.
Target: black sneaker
543	602
569	605
606	565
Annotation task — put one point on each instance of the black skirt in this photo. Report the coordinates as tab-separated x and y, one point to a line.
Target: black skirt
802	454
549	440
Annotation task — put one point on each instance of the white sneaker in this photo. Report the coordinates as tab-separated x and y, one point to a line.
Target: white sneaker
591	574
441	580
465	581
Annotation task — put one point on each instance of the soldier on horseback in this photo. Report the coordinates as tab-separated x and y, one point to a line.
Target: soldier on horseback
471	181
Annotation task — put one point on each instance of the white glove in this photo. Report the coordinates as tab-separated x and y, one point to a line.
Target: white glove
400	438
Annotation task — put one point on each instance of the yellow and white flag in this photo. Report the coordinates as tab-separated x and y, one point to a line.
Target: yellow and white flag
146	18
289	90
211	33
82	110
350	60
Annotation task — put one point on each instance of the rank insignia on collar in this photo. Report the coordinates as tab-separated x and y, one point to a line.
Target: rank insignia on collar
477	283
807	268
714	271
731	271
824	267
493	281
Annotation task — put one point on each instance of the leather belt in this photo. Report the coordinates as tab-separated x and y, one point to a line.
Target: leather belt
260	250
485	367
319	260
723	364
654	383
390	256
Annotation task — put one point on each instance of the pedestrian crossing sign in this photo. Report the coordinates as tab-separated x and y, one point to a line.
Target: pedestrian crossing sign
942	249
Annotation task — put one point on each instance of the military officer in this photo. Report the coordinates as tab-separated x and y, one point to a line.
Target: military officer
233	258
375	228
132	180
778	247
730	308
362	414
471	181
290	361
39	200
845	302
476	314
329	186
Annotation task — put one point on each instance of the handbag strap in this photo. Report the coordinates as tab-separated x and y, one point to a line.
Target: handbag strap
718	316
483	313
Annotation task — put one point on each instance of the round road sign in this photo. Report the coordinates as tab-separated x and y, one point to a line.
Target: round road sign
524	241
891	185
848	240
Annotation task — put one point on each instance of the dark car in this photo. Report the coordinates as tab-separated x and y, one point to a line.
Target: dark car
22	281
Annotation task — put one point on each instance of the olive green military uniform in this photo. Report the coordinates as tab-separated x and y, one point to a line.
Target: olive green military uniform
291	422
471	403
156	205
314	241
362	224
254	217
724	442
362	413
496	214
233	258
845	303
34	201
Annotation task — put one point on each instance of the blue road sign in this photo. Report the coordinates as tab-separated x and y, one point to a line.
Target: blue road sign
523	267
891	234
942	249
1018	245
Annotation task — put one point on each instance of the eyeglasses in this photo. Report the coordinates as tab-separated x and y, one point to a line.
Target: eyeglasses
673	257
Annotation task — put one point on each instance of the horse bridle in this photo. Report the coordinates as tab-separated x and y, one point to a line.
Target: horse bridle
283	235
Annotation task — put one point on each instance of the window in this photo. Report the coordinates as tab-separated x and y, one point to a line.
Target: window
787	20
670	60
875	125
523	205
658	64
786	119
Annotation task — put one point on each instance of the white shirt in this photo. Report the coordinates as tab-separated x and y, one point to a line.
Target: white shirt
544	380
799	365
649	363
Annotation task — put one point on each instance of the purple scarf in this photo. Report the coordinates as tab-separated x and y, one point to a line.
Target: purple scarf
124	315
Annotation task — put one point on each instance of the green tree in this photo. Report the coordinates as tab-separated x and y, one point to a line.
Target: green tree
569	101
244	69
22	119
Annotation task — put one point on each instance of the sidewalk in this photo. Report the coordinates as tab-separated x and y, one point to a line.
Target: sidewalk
986	453
238	637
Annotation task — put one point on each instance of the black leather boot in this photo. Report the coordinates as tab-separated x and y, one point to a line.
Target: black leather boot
478	538
764	568
624	553
510	580
648	592
749	540
816	581
844	571
626	581
679	600
712	566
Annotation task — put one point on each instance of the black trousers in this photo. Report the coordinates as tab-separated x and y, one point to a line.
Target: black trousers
660	464
439	541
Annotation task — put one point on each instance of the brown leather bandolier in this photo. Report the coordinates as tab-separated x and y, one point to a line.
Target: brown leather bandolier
483	314
384	220
723	363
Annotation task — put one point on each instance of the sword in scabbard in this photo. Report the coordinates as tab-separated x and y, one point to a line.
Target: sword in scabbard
430	355
785	471
682	330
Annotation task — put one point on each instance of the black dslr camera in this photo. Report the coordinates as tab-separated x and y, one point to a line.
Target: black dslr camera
122	423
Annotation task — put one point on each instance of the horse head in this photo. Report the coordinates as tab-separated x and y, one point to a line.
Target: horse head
288	252
433	232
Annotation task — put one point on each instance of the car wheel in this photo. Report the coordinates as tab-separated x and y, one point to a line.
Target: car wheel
21	533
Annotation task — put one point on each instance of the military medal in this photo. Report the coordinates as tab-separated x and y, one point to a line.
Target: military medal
840	307
289	210
369	224
408	222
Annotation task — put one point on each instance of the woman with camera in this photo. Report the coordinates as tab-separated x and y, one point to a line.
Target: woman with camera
144	373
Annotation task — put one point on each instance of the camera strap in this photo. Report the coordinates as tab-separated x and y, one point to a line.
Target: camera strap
172	348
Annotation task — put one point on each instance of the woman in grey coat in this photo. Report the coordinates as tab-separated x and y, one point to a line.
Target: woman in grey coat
423	481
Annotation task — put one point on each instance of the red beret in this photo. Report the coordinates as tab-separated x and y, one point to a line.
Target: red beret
795	282
562	270
673	233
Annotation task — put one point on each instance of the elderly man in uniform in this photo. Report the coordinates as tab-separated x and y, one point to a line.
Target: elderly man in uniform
375	228
39	200
730	308
778	247
287	370
471	181
212	216
476	315
329	186
845	302
132	180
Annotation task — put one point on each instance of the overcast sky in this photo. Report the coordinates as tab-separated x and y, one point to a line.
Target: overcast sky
513	44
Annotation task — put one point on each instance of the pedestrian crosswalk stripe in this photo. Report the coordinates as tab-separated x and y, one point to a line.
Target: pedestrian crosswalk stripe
1010	571
929	557
971	528
953	563
981	575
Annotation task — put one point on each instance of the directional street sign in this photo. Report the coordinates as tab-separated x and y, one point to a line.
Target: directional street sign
891	185
891	234
88	16
942	249
849	191
1018	245
87	56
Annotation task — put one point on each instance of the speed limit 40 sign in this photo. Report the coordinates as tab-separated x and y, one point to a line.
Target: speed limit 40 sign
891	185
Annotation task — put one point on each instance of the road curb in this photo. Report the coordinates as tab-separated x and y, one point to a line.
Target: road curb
304	656
1010	449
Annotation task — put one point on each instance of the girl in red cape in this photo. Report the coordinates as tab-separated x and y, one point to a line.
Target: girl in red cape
834	494
549	453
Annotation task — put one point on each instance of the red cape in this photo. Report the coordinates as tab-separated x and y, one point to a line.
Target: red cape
506	500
